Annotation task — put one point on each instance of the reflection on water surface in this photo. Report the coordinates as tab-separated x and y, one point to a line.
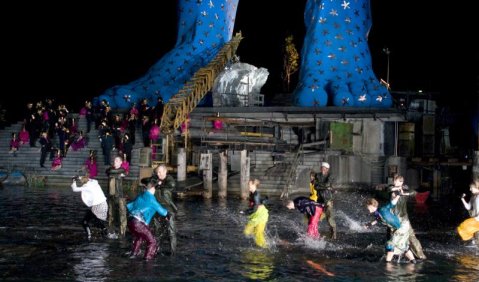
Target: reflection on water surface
41	239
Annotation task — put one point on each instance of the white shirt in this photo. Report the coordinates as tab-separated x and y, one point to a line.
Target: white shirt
91	192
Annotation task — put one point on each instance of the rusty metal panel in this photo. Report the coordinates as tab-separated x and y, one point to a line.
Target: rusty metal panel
341	136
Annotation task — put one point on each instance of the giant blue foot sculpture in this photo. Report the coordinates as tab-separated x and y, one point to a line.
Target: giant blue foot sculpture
204	27
336	63
335	59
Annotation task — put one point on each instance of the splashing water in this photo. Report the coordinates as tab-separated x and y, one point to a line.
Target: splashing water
354	225
212	247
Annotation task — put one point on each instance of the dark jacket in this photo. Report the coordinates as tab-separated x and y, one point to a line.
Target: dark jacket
400	209
46	144
324	185
253	201
306	206
165	190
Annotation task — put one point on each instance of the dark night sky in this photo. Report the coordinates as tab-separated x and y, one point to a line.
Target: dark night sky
79	52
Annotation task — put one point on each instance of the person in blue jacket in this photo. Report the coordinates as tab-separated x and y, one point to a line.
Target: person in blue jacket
398	244
141	211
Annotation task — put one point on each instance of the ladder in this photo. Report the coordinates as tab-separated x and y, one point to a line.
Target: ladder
179	106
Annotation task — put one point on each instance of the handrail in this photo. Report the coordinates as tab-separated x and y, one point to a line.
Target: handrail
179	107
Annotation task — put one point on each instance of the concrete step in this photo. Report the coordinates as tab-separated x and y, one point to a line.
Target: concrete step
28	158
271	168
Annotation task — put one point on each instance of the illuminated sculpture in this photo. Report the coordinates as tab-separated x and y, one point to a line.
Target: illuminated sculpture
335	60
204	26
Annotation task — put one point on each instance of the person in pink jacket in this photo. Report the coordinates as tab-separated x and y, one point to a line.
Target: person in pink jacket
90	165
14	144
24	136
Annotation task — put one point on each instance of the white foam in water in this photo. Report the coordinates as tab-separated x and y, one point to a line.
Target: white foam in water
351	223
298	228
316	244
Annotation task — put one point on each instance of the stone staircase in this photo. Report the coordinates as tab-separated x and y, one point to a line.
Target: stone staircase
27	159
272	169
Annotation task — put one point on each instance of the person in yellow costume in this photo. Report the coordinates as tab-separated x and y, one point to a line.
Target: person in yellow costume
313	193
257	220
256	226
469	228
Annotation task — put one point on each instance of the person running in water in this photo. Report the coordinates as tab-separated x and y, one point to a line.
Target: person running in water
324	186
254	198
256	226
311	209
399	242
165	230
258	215
400	209
94	198
141	211
469	228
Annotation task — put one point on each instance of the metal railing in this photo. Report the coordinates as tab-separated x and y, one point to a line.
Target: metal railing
179	106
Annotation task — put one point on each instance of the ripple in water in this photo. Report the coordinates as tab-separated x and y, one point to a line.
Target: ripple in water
41	239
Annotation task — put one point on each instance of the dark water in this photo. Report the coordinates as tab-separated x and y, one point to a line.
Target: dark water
41	239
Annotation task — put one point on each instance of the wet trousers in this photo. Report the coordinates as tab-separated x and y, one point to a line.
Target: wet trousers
256	226
165	231
256	230
329	215
467	228
399	242
141	232
91	217
313	223
415	245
